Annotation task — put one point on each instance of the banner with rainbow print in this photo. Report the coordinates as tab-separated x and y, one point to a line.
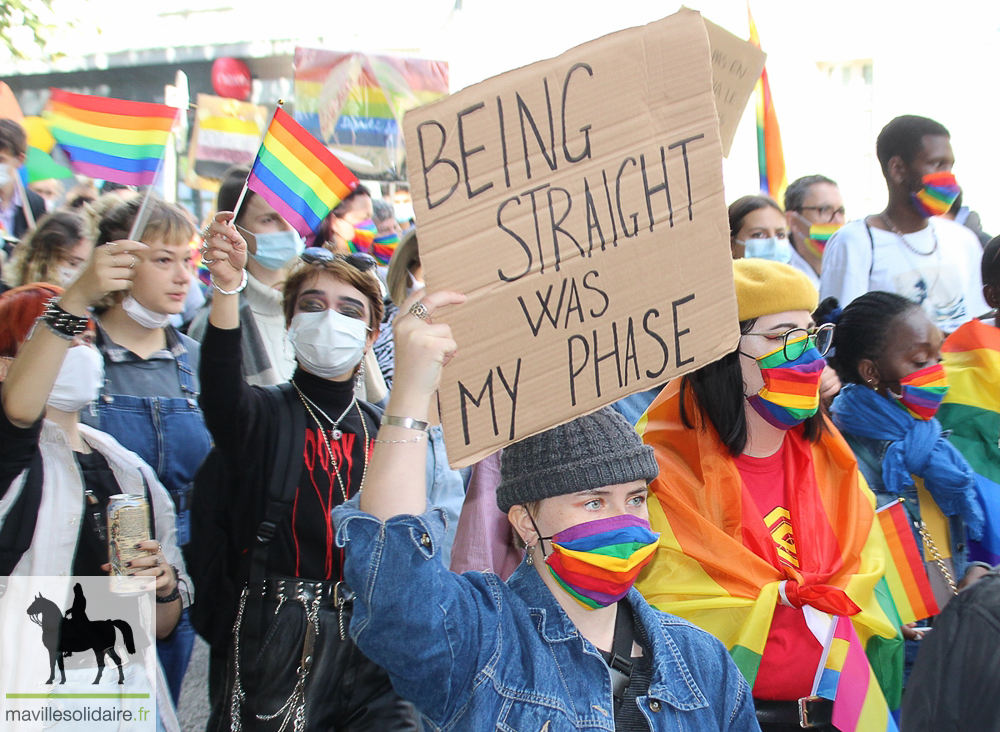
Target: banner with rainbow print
355	104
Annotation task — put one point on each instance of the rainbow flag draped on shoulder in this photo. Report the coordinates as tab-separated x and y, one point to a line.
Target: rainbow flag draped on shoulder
298	176
971	410
110	139
710	564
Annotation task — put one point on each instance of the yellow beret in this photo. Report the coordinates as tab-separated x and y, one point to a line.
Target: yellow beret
764	287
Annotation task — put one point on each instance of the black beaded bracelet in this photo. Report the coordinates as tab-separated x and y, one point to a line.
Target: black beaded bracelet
63	324
175	595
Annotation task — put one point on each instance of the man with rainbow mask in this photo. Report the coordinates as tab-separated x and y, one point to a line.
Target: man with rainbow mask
909	248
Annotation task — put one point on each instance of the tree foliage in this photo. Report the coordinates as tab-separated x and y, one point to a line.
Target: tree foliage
25	25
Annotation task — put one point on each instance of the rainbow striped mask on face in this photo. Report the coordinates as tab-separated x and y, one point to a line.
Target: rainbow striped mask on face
923	391
364	236
819	235
597	562
790	394
935	198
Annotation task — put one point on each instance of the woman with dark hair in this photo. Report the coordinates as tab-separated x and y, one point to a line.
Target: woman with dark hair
290	453
53	252
767	533
889	357
757	229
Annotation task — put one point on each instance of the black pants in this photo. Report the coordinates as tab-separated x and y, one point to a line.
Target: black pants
344	691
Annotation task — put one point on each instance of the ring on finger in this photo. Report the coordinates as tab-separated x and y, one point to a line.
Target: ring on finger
114	261
419	310
135	260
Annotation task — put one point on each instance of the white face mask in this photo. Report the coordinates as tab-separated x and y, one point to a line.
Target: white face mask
328	344
772	248
278	248
414	285
79	381
6	175
143	315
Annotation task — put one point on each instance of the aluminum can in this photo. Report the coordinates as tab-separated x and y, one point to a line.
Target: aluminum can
128	524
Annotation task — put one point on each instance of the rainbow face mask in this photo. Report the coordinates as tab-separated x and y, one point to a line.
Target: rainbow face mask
383	246
364	236
790	394
935	198
819	235
597	562
923	392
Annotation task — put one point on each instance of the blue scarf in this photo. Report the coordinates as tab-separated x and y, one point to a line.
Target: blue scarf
917	448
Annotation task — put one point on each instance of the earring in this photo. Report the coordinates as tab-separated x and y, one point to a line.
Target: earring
360	380
531	557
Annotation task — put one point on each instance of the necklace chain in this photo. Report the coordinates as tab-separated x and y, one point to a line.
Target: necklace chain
329	448
895	230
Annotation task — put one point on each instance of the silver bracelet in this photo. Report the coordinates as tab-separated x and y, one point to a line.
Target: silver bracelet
399	442
238	290
404	422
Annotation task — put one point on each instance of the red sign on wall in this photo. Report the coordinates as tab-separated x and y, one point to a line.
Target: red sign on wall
231	78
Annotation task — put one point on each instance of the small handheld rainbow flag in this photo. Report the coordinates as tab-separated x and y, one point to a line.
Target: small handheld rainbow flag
770	156
847	678
905	573
297	175
110	139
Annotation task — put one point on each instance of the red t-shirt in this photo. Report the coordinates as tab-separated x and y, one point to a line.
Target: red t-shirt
792	653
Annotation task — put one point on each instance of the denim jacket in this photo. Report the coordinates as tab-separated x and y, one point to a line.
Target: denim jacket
475	653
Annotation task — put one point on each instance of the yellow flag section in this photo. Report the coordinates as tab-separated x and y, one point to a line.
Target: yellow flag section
710	564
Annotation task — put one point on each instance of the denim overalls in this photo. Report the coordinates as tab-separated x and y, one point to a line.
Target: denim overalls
168	433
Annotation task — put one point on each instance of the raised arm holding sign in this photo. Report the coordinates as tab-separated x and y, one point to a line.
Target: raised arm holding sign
578	203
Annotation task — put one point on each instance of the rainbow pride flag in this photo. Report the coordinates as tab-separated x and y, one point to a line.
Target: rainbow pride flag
847	679
770	156
110	139
905	573
297	175
716	564
971	410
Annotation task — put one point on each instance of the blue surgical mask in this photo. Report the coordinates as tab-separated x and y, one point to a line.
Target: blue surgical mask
275	249
772	248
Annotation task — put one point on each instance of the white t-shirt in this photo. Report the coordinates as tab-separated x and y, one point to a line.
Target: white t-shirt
800	263
944	279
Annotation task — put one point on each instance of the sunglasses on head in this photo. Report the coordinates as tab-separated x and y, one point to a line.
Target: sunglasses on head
315	255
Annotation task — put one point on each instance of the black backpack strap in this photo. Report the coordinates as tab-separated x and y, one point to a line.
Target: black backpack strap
621	653
871	267
280	495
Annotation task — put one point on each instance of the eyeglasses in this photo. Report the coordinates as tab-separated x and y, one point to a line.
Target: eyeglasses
797	341
826	213
315	255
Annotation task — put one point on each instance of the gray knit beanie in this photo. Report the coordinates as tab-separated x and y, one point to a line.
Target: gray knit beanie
593	451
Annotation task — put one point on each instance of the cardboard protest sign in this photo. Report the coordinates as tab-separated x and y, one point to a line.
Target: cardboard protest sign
578	203
736	66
